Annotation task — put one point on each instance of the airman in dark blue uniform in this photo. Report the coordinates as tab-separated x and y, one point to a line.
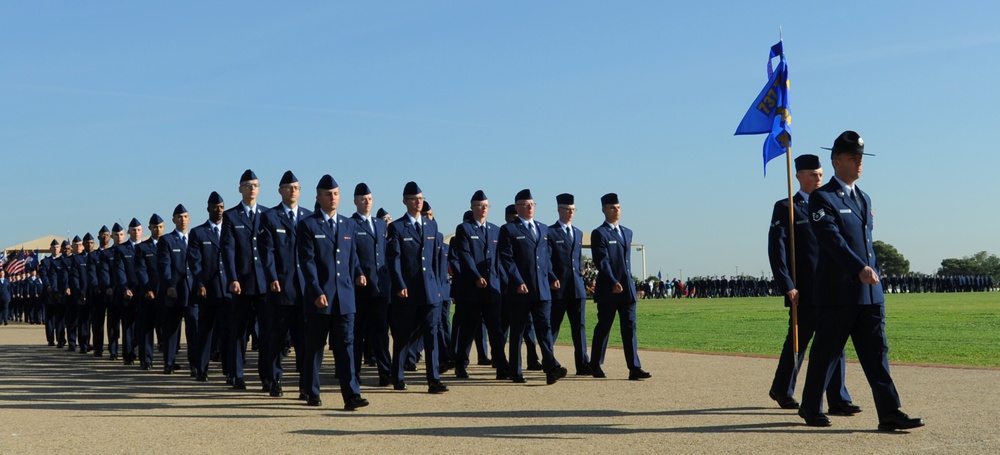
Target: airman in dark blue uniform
175	290
276	243
477	287
413	312
524	255
566	244
800	291
371	325
848	291
149	301
208	283
329	260
614	290
245	271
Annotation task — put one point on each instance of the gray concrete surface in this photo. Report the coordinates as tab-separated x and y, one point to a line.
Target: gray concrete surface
54	401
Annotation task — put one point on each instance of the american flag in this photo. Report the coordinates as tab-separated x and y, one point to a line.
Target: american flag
16	264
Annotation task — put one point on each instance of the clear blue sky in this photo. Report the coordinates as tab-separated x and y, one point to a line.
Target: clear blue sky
115	110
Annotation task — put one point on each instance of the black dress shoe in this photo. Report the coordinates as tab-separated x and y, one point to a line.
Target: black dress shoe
501	375
168	370
555	375
239	384
584	371
815	420
518	379
783	402
303	396
596	371
176	366
401	385
265	387
843	408
534	366
145	366
355	402
112	357
437	387
445	366
128	362
637	374
383	380
59	346
276	391
410	367
898	420
71	348
201	378
313	400
460	373
229	380
483	362
98	354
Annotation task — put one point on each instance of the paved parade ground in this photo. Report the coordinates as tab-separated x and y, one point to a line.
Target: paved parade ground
54	401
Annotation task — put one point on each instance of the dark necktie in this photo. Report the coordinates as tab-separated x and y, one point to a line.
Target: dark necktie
217	234
854	197
569	232
291	216
531	229
417	227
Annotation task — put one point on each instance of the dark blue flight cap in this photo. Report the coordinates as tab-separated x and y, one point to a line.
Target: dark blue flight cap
247	176
411	189
214	199
155	219
327	182
287	178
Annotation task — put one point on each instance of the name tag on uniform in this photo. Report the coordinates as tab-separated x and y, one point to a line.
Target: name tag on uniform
320	236
520	237
239	226
613	241
845	210
474	237
206	243
176	250
279	231
430	238
361	233
407	239
802	222
560	241
126	257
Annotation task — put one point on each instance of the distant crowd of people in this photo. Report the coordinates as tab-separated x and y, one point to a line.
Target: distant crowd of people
749	286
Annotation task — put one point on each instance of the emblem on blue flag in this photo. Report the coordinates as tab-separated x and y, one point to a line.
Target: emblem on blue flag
770	113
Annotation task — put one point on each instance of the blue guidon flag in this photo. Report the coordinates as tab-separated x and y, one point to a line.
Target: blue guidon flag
770	113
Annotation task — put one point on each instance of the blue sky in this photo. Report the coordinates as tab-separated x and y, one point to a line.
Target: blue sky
114	110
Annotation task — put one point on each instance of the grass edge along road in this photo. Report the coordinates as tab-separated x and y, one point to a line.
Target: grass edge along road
957	329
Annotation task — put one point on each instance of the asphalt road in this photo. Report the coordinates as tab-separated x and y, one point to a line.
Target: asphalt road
54	401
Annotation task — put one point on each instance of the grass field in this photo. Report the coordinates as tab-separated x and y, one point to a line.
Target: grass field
941	329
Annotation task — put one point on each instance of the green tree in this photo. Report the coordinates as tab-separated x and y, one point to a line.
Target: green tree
890	260
981	263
